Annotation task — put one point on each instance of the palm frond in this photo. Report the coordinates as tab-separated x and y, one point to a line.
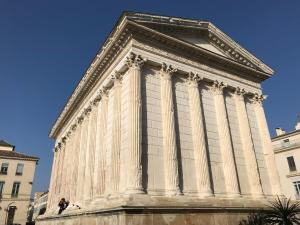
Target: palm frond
254	219
283	212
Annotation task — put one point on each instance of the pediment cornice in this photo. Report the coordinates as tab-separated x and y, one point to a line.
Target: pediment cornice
231	48
215	35
192	51
115	43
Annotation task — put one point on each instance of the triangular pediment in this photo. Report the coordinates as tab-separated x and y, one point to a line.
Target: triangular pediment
201	39
203	42
201	34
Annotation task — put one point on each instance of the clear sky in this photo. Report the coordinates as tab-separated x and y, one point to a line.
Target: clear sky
45	47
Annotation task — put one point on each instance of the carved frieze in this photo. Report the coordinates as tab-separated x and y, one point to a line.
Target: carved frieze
134	60
127	30
206	70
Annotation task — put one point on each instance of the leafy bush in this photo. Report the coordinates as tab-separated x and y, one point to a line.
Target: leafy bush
254	219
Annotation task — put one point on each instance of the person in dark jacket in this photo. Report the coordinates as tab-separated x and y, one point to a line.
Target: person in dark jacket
63	204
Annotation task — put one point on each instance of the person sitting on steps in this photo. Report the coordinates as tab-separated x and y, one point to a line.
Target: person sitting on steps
63	204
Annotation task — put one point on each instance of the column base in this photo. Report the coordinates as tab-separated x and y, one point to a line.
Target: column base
130	191
173	193
258	196
162	210
205	194
233	195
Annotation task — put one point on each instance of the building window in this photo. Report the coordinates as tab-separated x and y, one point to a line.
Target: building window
286	143
15	189
297	187
1	187
4	168
291	163
19	170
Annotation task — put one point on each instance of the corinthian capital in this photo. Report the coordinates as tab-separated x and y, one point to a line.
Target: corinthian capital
117	77
258	99
135	61
193	78
167	70
87	110
79	119
218	87
74	127
69	133
239	93
103	92
63	140
58	147
95	101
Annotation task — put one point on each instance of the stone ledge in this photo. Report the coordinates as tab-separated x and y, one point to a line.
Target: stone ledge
144	204
153	216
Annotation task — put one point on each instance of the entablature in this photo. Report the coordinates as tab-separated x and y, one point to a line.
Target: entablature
119	40
105	87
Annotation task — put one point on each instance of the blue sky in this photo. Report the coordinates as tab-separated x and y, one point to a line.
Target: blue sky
45	47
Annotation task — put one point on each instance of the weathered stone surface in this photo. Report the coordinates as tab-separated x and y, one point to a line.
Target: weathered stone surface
154	217
167	144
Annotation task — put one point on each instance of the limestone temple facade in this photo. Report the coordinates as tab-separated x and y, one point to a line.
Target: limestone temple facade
166	126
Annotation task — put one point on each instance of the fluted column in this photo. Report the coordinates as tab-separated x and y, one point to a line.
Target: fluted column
78	159
82	156
75	159
63	168
169	133
100	153
62	157
58	171
68	164
134	178
72	156
116	134
247	143
198	134
57	174
257	101
90	152
51	193
230	173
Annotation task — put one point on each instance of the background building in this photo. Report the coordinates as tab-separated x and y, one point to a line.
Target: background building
287	154
167	126
39	204
16	178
